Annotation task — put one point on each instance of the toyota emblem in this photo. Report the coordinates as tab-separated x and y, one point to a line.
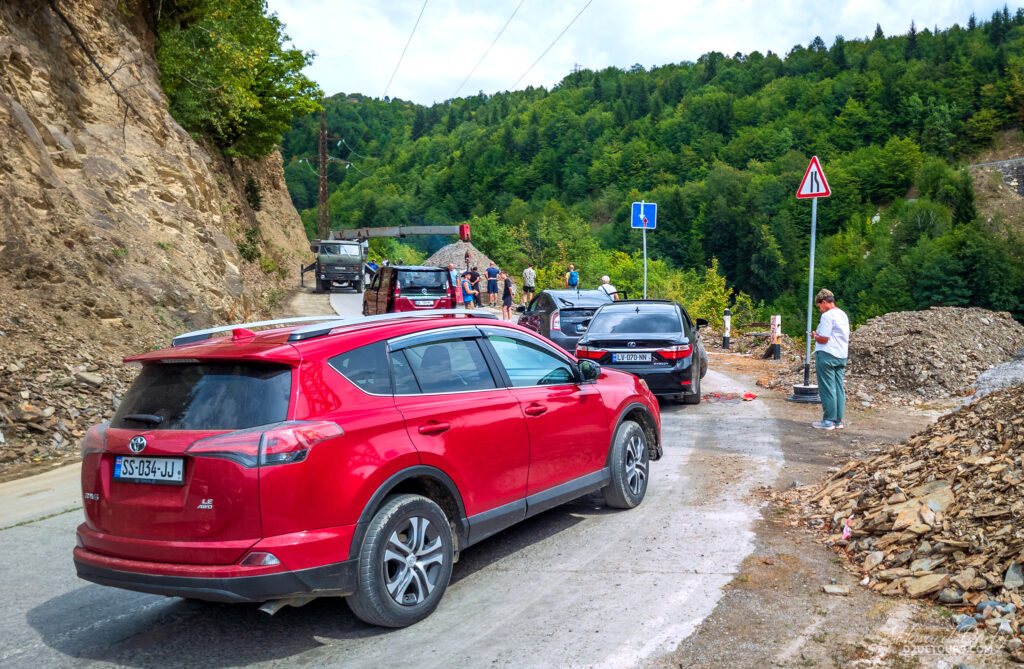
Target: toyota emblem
631	344
137	444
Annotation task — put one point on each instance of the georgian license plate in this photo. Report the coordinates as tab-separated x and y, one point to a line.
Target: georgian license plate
424	303
165	471
631	357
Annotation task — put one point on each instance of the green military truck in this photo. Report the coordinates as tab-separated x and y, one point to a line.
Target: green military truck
338	262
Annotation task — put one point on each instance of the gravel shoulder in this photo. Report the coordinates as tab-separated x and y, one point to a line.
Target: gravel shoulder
773	612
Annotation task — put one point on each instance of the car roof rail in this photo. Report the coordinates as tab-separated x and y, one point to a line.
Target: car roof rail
200	335
321	329
640	299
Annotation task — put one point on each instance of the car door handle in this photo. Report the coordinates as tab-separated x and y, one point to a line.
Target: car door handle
535	410
434	428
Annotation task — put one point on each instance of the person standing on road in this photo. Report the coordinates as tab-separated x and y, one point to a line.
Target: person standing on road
492	285
457	287
474	277
529	283
508	290
607	287
832	339
571	278
468	292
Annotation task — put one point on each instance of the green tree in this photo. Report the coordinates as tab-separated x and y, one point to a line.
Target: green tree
228	76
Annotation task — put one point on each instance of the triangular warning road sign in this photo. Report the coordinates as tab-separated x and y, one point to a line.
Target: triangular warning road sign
814	184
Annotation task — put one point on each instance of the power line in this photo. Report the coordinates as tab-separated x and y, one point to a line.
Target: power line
488	50
407	42
552	44
351	151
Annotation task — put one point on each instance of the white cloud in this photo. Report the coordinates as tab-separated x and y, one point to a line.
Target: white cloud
358	43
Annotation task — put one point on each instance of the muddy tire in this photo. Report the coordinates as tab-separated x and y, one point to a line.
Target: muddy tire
405	563
694	397
628	461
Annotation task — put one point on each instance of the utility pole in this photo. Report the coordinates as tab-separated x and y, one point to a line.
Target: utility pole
323	215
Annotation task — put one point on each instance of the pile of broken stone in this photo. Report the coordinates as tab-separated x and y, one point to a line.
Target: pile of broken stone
913	357
56	379
939	516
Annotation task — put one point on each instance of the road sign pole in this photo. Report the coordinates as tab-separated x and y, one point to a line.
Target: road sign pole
645	263
642	203
810	291
813	186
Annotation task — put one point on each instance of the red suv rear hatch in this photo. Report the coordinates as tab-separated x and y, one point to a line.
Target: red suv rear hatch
147	497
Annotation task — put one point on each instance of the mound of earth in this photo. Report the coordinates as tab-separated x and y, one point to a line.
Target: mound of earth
455	254
939	515
912	356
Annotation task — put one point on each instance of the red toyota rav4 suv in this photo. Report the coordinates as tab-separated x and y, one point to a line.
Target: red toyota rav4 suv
348	458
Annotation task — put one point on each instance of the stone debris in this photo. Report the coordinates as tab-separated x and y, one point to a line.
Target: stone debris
56	381
940	516
830	589
909	357
1010	373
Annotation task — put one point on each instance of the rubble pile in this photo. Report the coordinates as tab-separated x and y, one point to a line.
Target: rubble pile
907	357
56	380
1010	373
939	516
455	254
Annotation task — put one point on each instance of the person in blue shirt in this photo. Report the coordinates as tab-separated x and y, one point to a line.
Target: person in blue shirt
468	292
492	285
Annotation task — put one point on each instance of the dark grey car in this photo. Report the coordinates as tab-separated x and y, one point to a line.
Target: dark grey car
559	314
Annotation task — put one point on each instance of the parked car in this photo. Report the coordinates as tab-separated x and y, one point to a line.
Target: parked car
408	288
350	458
559	314
654	339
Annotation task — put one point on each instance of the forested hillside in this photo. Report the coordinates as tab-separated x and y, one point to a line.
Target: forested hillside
720	145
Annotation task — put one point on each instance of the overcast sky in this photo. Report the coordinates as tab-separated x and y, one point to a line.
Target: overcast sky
358	42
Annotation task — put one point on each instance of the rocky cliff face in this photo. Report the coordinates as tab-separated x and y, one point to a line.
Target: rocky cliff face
116	227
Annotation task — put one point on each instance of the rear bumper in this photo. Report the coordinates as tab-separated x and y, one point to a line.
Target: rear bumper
337	579
664	380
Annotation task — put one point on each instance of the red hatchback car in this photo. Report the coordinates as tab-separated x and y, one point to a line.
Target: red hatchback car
348	458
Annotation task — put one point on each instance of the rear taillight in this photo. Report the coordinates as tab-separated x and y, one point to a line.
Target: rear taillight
676	352
589	353
95	439
268	444
556	320
398	290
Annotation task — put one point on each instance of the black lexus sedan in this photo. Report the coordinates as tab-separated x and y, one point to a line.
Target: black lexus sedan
653	339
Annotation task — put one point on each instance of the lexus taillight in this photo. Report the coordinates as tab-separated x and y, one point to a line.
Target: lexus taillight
266	445
590	353
676	352
95	439
556	320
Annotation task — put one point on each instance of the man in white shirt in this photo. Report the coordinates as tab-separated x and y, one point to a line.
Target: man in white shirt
832	339
607	287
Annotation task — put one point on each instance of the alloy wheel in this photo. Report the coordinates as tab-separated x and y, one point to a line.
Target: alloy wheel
413	561
636	464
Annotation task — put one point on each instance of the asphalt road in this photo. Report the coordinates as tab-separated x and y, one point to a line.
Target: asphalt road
580	585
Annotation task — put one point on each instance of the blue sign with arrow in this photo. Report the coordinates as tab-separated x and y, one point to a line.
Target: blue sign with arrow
645	215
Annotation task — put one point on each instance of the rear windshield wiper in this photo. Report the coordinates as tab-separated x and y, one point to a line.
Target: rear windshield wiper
145	418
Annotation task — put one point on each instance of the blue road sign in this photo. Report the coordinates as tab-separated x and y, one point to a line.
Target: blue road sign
645	215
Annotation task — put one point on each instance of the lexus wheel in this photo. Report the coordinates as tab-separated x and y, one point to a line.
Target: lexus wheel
628	462
405	563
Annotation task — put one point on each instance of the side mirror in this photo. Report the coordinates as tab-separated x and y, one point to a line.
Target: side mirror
589	370
702	323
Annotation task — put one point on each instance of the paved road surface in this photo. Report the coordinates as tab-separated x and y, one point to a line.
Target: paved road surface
580	585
